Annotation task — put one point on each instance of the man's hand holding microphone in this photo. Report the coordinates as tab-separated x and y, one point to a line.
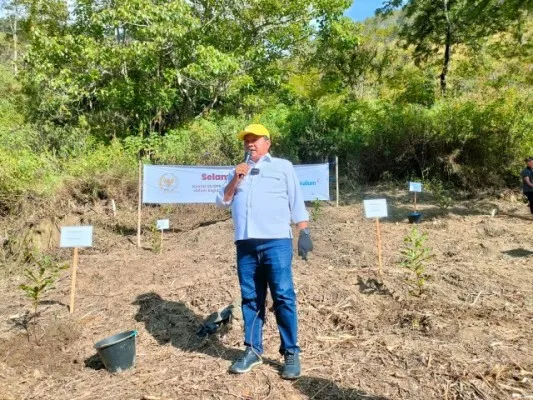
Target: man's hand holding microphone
241	170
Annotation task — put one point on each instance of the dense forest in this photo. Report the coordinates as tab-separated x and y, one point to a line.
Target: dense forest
434	90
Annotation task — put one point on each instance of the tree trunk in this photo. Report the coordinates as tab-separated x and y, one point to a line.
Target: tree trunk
13	19
445	67
15	47
447	51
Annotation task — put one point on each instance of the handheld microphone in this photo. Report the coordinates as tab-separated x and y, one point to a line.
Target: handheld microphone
247	155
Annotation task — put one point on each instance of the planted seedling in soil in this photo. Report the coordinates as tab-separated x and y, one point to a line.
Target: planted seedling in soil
415	255
156	239
41	275
316	210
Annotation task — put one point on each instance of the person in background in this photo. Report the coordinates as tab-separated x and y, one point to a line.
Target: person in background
527	181
264	195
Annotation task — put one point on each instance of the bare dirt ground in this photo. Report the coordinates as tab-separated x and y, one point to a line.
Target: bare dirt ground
362	337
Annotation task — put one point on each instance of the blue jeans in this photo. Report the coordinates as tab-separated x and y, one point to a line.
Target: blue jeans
262	262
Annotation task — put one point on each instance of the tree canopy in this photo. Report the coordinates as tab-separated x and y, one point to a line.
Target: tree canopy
433	25
142	66
428	89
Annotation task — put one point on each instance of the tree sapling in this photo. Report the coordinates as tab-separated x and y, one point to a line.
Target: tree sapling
415	255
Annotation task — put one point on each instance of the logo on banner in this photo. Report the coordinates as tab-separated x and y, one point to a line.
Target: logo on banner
309	183
168	182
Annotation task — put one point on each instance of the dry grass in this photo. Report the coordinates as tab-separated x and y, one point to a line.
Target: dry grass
362	337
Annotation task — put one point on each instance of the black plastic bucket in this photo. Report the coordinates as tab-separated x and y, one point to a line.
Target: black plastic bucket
414	217
118	351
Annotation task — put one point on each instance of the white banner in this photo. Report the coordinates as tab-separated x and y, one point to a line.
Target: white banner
314	181
163	184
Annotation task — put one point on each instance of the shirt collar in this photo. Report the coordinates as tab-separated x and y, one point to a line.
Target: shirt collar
267	157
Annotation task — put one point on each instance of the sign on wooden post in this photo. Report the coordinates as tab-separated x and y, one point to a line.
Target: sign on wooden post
415	187
162	224
75	237
377	209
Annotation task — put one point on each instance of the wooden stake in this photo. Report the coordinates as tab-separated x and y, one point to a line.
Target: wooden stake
114	207
73	283
337	179
415	201
161	246
378	232
139	206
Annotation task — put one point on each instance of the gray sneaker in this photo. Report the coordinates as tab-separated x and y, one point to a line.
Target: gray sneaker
292	369
246	362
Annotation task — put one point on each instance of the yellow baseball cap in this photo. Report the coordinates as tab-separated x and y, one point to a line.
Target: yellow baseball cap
253	129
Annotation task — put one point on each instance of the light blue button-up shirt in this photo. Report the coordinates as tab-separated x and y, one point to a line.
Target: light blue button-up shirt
264	205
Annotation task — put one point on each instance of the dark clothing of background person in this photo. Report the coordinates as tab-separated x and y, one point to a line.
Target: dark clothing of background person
527	181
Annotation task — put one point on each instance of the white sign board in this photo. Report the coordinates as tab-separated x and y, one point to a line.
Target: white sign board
415	187
76	236
163	224
375	208
165	184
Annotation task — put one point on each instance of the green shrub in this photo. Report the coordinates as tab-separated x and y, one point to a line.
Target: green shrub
24	172
100	158
441	195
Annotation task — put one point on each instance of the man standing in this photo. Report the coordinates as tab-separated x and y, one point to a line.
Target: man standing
527	181
264	195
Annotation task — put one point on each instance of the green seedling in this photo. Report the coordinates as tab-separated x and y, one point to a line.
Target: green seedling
316	210
415	255
441	195
156	239
41	275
